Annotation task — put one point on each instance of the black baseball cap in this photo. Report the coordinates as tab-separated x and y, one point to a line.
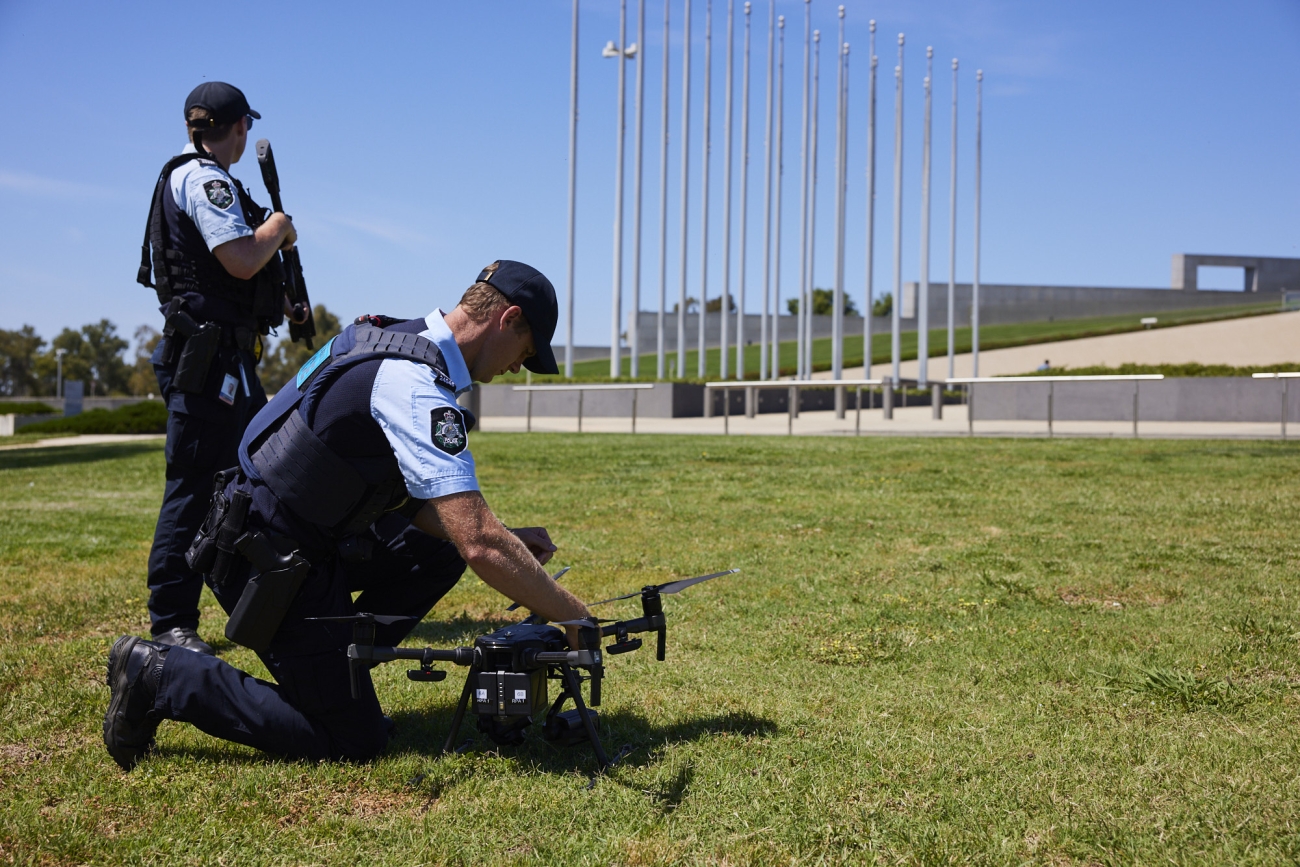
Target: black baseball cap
225	103
529	290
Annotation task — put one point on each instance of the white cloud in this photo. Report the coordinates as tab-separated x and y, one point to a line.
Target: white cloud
35	185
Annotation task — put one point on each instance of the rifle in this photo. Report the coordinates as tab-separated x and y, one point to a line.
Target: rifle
295	285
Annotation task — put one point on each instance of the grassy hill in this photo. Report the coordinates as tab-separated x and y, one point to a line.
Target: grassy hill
991	337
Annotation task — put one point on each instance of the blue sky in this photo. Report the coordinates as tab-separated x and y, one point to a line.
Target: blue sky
419	141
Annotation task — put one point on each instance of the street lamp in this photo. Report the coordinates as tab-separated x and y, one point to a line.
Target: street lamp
623	53
58	382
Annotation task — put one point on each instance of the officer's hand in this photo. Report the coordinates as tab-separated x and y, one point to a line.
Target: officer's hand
538	542
291	235
297	313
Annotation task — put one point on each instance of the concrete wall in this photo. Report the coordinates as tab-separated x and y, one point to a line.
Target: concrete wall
1260	273
664	400
1218	399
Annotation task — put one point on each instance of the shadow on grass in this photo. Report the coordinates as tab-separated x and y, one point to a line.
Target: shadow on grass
55	456
424	733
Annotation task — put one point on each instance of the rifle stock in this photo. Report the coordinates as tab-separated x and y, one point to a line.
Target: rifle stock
295	285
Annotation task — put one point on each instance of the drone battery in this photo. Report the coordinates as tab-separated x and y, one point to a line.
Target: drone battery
508	693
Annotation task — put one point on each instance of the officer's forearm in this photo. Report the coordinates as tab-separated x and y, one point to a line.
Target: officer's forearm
244	257
496	555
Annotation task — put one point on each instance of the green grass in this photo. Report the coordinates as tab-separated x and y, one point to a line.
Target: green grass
938	651
22	438
991	337
1170	370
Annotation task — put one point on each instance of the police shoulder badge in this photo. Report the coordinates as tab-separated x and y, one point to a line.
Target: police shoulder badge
219	193
449	430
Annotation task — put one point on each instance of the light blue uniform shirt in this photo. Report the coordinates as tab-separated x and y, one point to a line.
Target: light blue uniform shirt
409	404
206	192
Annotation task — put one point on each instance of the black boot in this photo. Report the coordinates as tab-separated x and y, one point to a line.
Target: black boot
134	668
184	636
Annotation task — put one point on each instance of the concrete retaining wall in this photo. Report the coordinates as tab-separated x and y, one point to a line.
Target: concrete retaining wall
1217	399
665	400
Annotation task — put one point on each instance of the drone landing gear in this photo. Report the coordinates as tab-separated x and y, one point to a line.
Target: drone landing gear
565	724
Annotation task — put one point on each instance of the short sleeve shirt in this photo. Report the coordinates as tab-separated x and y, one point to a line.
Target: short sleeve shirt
207	195
422	421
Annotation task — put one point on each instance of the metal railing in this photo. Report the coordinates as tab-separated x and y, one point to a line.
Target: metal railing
793	387
888	386
633	387
1136	379
1286	377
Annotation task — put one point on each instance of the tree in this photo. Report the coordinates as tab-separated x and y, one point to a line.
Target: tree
692	305
94	356
281	362
142	380
18	353
713	305
103	350
823	304
883	306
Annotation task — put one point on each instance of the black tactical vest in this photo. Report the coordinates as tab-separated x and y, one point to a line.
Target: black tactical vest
315	482
182	264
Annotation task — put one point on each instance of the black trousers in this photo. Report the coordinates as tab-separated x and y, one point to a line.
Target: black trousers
203	434
309	711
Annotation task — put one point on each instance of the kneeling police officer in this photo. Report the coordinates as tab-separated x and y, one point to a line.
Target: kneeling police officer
357	476
220	283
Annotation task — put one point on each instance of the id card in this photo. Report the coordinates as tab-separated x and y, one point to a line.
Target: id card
229	385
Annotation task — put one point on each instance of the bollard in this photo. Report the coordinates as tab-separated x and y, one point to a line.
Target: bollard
1051	392
790	409
887	395
528	426
970	408
634	410
839	401
857	424
580	394
726	410
936	401
751	402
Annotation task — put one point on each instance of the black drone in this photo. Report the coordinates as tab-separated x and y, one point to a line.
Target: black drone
509	668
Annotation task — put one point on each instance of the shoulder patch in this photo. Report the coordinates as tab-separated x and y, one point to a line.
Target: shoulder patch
448	429
219	193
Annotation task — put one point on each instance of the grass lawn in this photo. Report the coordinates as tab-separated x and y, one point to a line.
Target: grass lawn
991	337
987	651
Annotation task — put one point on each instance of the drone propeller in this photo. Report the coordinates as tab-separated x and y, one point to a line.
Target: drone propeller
381	619
556	577
670	587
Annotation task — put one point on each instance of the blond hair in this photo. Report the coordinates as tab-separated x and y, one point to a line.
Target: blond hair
483	300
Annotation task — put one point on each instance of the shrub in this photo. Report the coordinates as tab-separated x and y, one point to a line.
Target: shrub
149	416
14	407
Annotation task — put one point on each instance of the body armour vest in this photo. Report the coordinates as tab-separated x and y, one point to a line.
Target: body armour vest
317	448
182	264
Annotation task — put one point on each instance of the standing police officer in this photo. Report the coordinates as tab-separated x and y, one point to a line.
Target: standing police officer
217	274
356	477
